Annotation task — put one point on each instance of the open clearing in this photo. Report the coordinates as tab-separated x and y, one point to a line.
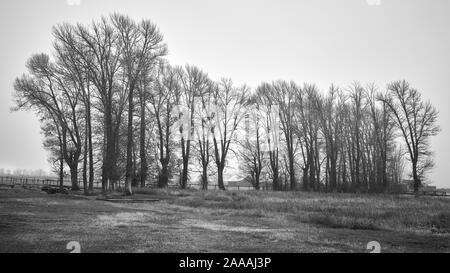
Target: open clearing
213	221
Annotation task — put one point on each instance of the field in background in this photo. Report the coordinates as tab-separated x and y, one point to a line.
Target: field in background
215	221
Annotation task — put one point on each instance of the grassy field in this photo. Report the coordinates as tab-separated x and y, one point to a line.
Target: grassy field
213	221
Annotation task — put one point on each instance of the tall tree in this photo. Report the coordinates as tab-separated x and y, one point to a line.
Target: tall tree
72	65
284	95
383	130
194	82
98	48
203	120
307	131
141	45
329	125
162	100
230	102
271	125
416	119
47	90
251	146
356	92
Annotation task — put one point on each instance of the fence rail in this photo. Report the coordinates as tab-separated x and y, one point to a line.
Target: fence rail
39	181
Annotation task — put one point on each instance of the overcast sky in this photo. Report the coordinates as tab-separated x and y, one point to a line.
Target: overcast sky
250	41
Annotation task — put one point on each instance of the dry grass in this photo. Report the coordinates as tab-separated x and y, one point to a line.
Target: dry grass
371	212
215	221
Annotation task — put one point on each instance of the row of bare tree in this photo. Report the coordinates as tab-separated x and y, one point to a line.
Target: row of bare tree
108	99
352	139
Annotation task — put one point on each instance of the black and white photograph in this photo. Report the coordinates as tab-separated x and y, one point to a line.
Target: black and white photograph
244	129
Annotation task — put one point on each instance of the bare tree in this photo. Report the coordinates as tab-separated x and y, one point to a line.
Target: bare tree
284	95
271	128
203	120
194	82
72	65
146	82
307	131
416	119
48	90
229	103
251	149
99	51
328	113
356	92
162	99
141	46
383	131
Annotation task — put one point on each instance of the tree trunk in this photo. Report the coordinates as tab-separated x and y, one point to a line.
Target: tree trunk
220	169
305	177
61	172
384	170
333	173
327	175
184	173
129	166
416	179
74	176
185	155
90	149
142	153
135	181
274	167
115	176
85	159
293	183
257	178
312	170
344	173
205	177
276	181
109	149
163	178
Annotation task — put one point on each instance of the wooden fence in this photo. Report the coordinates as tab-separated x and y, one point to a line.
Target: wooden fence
40	181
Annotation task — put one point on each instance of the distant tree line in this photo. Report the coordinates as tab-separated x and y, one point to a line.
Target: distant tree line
111	106
24	172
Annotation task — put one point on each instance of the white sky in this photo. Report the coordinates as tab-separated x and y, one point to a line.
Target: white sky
320	41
